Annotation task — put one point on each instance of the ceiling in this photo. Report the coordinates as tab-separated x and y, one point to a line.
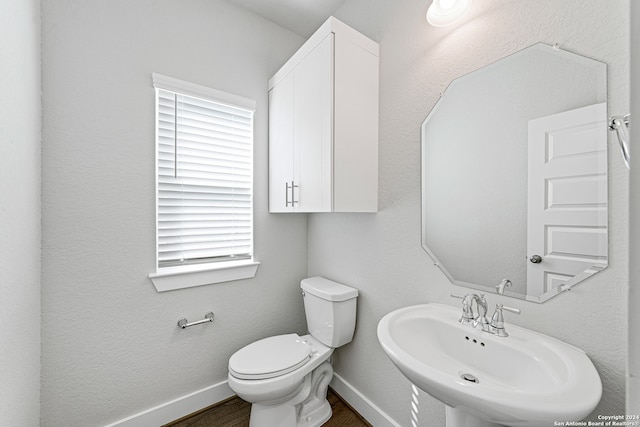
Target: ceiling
302	17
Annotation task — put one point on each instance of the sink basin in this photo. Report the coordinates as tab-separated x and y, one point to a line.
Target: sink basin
525	379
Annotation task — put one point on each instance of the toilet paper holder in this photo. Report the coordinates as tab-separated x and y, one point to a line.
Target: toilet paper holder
182	322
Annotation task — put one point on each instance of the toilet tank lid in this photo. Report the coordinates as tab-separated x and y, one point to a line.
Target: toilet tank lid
328	289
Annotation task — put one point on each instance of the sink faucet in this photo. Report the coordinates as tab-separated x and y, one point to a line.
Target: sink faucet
496	326
480	318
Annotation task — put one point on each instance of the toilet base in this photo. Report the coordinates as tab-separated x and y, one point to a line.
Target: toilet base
272	415
308	408
285	416
316	410
317	417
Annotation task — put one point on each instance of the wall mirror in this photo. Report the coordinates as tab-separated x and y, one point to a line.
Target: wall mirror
514	174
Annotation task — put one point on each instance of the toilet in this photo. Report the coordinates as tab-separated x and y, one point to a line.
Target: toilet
285	377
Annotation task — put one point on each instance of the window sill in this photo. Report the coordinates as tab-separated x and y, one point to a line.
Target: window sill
171	278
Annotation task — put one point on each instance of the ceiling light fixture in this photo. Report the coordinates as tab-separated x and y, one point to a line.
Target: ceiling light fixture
446	12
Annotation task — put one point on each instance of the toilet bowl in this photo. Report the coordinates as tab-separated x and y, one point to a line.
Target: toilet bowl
274	396
285	377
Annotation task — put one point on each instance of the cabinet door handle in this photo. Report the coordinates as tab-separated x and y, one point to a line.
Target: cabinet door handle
286	194
293	197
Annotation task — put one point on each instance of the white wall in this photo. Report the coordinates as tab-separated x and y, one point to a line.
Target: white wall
111	347
633	379
20	213
381	254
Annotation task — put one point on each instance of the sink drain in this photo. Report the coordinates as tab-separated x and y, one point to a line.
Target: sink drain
470	378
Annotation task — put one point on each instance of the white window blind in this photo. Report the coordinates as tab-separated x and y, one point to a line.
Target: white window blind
204	179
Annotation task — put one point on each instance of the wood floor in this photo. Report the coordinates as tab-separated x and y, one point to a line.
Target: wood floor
234	412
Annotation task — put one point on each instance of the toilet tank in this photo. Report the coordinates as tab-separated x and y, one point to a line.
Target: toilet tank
330	308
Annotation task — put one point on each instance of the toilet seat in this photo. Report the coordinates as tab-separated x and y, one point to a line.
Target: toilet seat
270	357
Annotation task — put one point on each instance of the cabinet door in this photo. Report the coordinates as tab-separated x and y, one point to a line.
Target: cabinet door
281	145
313	129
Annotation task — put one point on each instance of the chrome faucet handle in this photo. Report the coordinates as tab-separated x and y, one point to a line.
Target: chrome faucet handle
511	309
468	318
496	326
467	309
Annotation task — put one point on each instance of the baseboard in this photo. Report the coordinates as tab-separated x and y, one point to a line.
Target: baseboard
193	402
177	408
374	415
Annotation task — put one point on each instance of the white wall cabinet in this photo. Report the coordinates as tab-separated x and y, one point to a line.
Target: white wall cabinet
323	125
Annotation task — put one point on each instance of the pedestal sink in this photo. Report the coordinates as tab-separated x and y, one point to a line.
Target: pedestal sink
526	379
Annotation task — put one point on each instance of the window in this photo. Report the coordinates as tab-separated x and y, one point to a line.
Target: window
204	183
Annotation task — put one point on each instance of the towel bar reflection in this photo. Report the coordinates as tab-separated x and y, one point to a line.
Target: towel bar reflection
182	322
621	126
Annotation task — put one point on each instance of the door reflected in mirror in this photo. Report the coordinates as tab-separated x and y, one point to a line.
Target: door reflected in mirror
514	174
